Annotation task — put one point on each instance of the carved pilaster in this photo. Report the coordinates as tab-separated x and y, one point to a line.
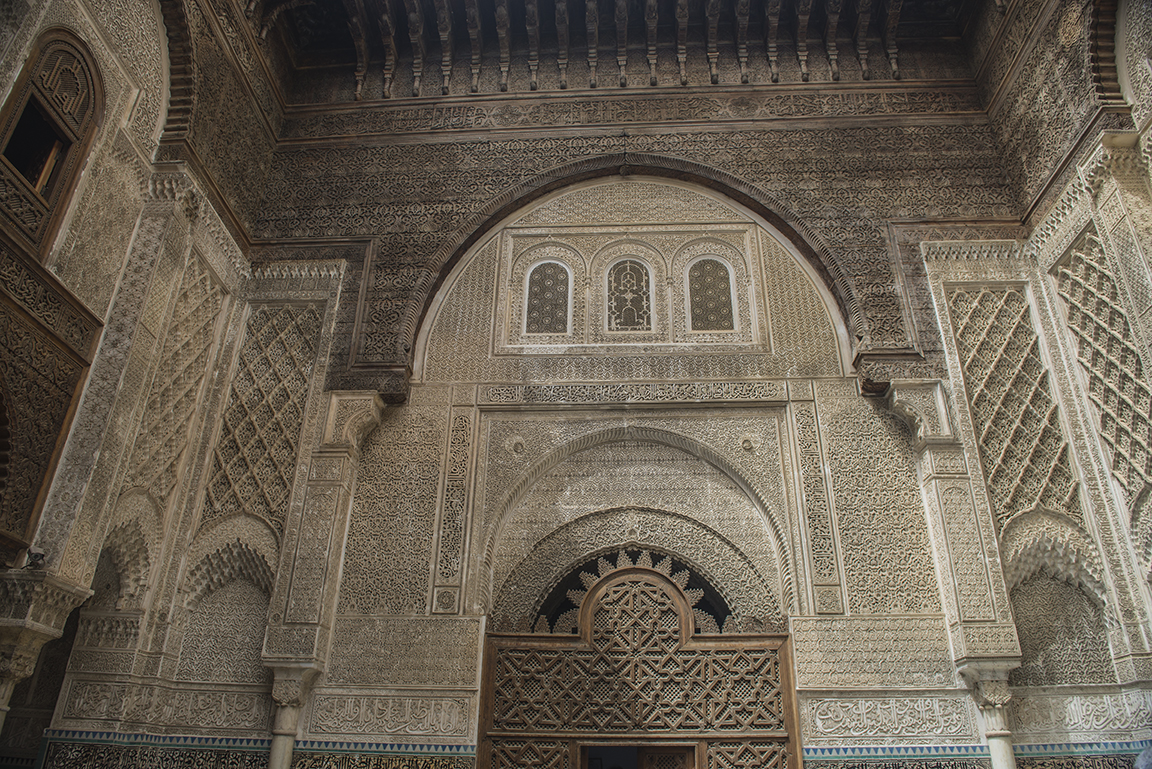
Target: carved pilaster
1119	180
304	598
967	581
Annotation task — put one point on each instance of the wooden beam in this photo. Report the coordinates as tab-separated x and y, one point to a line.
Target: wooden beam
532	21
504	34
743	11
832	21
622	40
863	19
592	23
771	36
712	11
803	16
651	17
357	27
444	29
274	10
416	36
891	23
562	40
388	37
682	39
476	37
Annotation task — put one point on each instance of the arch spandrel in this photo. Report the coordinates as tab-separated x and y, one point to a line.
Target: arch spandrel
737	491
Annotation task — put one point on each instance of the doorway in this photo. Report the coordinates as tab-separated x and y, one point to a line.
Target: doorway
616	756
637	688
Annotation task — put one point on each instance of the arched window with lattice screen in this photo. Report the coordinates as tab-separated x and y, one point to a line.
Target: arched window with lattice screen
46	129
629	296
546	306
710	296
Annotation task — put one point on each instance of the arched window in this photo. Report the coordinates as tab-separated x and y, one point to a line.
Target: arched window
547	304
46	129
710	296
629	297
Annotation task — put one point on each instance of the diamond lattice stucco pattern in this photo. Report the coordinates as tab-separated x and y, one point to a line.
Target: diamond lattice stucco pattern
255	459
176	388
1108	353
1022	447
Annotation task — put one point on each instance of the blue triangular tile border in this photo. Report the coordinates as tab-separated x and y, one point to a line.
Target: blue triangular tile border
348	746
895	751
158	740
1081	748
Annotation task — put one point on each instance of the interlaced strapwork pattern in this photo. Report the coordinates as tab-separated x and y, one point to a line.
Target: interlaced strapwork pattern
1022	446
629	297
520	753
547	310
1108	353
255	460
176	387
737	755
636	677
710	296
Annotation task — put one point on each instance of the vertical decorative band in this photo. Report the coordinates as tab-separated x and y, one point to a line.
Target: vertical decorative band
453	511
818	512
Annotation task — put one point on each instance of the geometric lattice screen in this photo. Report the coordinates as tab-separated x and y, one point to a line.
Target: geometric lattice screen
1109	355
255	459
636	672
1022	447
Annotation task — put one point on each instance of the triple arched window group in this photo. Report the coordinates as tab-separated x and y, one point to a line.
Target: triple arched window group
628	297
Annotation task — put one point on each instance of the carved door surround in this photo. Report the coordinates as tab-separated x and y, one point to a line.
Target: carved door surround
636	674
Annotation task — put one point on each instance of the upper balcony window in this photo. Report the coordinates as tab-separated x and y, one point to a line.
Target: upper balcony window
46	129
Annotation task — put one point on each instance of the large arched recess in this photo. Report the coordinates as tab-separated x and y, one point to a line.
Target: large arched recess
520	196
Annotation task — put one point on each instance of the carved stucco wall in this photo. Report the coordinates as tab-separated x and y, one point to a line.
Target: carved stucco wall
1134	36
854	542
1035	80
644	475
1075	318
795	334
499	457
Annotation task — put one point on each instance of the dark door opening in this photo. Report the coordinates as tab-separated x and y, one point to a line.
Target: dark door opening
612	757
